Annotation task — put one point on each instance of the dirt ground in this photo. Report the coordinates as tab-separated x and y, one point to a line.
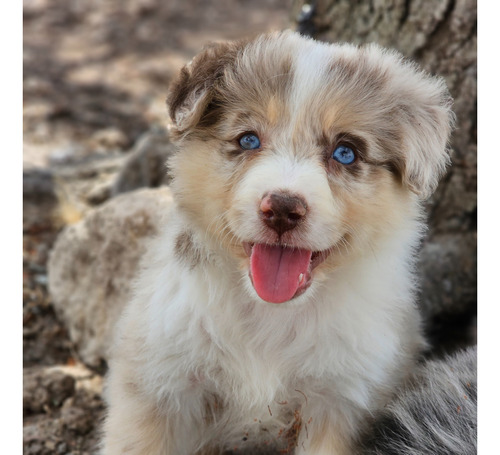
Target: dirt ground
95	78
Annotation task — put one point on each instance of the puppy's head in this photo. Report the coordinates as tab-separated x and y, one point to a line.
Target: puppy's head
296	155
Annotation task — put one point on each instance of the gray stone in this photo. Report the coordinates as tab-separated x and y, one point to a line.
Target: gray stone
441	256
94	261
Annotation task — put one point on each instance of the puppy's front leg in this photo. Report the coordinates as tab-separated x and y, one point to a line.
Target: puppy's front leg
137	426
134	427
324	433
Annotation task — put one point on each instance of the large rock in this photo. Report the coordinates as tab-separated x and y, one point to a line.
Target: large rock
94	261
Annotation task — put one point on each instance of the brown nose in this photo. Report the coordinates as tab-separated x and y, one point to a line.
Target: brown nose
282	211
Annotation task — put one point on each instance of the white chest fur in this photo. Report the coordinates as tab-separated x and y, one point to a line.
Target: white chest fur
254	370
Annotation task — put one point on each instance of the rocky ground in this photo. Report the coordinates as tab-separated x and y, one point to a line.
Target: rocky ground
94	84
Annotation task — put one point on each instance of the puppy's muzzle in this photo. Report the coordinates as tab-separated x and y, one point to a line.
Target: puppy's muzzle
282	211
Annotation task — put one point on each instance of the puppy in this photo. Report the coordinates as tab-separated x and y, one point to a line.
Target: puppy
276	309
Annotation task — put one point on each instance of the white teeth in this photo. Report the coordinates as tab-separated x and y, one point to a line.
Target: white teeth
301	278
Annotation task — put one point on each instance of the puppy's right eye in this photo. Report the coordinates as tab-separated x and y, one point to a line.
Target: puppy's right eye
344	154
249	141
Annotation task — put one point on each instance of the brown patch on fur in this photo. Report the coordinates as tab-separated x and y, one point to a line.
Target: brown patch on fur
131	387
393	166
273	110
194	87
291	436
254	97
212	115
214	80
362	91
202	169
185	251
279	87
360	72
391	144
212	408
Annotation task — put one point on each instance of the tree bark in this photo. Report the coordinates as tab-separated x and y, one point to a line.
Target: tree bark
441	36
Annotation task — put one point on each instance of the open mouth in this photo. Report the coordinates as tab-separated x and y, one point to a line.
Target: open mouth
280	273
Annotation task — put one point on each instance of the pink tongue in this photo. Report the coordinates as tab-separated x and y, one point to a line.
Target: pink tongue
276	270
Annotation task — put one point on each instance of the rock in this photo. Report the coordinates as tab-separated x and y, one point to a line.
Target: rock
40	437
64	193
69	153
99	193
67	419
109	139
39	200
88	177
85	181
448	297
33	7
45	389
76	419
93	263
452	290
89	165
84	378
146	165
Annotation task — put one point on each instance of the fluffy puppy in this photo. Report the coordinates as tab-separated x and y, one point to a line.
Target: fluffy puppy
276	309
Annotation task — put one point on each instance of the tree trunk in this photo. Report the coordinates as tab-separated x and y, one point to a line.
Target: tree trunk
441	36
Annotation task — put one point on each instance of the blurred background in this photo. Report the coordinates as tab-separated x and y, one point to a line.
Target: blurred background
96	72
95	80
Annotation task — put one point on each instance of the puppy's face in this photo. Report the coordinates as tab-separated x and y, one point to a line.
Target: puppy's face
296	155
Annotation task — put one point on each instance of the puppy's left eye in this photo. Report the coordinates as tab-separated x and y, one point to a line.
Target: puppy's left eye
344	154
249	141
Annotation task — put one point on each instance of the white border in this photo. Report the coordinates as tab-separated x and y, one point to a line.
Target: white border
11	232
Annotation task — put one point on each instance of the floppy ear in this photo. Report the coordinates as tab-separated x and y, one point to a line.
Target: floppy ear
192	91
426	118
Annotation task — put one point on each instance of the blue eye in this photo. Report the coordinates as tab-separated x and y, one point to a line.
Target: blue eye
344	154
249	142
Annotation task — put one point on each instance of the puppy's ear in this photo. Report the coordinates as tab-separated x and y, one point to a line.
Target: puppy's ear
425	116
193	90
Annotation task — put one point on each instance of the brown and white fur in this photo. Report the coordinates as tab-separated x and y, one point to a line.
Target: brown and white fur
202	364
